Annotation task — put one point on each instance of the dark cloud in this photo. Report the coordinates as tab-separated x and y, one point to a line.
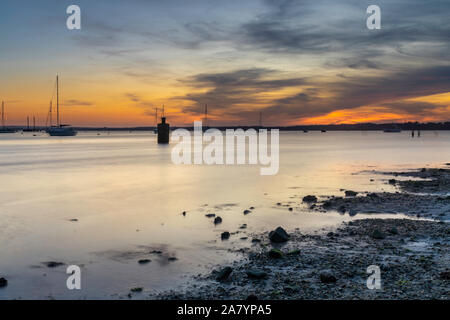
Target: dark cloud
318	26
241	87
74	102
133	97
354	63
148	106
412	108
232	93
357	91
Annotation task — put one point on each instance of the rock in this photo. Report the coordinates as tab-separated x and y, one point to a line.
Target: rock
291	289
225	235
392	181
342	209
210	215
244	226
275	253
393	230
385	266
352	212
223	274
3	282
327	276
53	264
255	240
310	199
327	204
73	220
136	290
445	275
247	211
252	208
279	235
144	261
256	274
377	234
350	193
156	251
290	209
184	213
330	234
172	259
217	220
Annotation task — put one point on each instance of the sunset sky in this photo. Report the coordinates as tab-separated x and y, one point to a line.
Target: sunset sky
298	62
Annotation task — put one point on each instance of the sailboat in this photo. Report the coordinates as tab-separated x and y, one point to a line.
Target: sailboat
4	129
205	126
28	129
60	130
260	126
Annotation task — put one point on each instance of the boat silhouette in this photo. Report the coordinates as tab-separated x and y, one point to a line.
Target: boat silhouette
60	130
4	129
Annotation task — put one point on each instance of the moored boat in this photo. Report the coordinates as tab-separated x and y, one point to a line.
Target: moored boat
60	130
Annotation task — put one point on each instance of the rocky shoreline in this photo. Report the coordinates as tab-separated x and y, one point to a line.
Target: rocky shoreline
411	254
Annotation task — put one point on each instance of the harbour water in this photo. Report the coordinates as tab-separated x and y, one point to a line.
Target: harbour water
128	198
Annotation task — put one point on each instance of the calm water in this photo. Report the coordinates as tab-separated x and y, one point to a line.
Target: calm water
128	198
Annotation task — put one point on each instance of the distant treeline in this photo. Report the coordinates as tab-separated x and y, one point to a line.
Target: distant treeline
328	127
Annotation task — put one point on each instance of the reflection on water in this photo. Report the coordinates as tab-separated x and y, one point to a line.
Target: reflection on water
128	199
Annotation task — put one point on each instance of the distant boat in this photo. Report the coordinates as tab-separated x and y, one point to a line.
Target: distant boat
323	130
60	130
4	129
305	131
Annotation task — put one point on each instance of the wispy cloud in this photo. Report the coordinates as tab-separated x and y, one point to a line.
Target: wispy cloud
74	102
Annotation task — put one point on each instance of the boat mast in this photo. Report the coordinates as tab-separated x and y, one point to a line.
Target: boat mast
3	115
57	101
51	113
206	115
34	123
28	122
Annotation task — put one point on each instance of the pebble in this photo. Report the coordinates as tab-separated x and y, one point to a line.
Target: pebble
225	235
144	261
